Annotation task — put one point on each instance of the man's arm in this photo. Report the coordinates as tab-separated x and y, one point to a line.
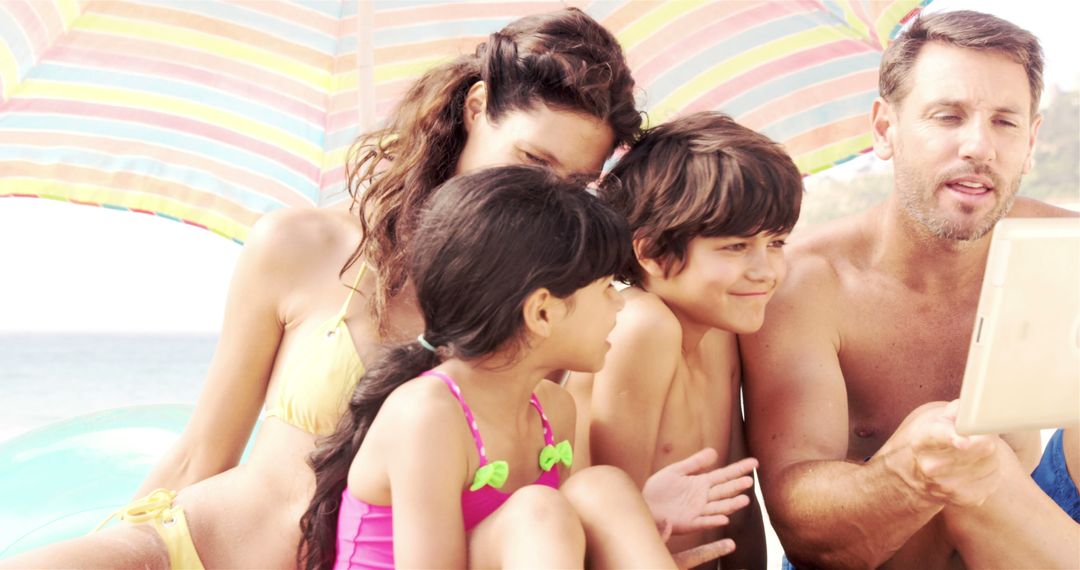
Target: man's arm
827	511
1018	526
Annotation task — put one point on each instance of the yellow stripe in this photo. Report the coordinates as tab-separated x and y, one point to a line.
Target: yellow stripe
217	46
859	29
824	157
891	17
745	61
654	20
406	70
51	189
69	11
344	81
183	108
9	72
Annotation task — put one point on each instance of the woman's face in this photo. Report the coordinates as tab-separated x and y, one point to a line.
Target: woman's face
568	142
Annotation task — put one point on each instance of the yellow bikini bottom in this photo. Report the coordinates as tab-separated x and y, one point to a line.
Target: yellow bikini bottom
168	521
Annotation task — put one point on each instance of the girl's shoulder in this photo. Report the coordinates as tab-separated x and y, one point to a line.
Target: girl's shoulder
423	404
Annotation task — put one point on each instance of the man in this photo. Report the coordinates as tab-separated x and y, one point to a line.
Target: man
847	382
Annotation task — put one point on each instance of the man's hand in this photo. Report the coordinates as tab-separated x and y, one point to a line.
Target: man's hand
683	499
948	467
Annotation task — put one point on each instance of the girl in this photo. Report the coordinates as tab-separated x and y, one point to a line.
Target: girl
317	291
453	446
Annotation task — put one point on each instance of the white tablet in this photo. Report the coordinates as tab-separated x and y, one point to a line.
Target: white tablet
1023	366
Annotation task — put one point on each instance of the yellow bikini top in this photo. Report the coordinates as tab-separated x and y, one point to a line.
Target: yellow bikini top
318	377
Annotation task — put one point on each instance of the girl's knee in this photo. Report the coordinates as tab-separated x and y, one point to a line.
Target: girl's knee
544	509
599	483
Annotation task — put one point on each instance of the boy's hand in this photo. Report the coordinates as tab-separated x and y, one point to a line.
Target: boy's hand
683	499
705	553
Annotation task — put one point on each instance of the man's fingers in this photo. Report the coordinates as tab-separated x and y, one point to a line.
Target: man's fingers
696	463
706	552
741	467
730	488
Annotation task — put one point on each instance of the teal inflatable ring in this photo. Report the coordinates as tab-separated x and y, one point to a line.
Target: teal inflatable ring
59	481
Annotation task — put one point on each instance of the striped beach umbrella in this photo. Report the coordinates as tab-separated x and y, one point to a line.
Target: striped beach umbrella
215	113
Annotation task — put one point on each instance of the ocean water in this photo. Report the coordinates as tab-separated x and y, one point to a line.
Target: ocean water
47	377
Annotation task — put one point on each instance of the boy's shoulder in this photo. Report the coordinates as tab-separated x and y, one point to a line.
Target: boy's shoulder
646	342
646	315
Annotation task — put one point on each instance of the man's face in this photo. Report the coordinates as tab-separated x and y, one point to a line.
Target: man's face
960	140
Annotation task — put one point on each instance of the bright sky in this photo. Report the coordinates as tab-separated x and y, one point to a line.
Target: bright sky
76	268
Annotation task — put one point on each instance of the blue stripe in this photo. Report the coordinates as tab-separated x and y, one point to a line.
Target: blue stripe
603	8
787	84
74	76
185	176
822	115
331	8
438	31
681	74
153	135
16	41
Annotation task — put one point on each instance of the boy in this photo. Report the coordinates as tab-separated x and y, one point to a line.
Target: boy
709	204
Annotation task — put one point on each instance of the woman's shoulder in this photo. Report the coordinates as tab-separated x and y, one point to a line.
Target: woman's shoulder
289	247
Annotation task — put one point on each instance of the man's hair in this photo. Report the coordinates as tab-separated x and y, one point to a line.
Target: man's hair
700	175
965	29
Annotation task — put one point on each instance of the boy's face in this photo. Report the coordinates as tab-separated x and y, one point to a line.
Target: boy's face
725	282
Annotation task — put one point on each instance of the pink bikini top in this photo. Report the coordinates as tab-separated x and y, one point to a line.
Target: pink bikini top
365	531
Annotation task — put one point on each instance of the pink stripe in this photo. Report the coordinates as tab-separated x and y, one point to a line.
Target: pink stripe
133	184
449	13
686	46
236	176
171	70
691	23
178	18
810	97
155	51
170	122
774	69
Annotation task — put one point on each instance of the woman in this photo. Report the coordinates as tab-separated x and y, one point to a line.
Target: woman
308	305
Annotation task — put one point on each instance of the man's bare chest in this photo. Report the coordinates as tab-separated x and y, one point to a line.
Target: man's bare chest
897	355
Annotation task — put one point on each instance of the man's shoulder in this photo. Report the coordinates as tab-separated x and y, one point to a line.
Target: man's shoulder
818	257
1030	208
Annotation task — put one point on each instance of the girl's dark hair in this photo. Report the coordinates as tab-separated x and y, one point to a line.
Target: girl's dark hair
484	243
565	60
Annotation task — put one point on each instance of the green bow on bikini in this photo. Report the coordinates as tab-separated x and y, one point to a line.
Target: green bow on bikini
552	454
493	474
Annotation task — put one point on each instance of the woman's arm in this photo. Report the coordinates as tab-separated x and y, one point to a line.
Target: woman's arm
274	263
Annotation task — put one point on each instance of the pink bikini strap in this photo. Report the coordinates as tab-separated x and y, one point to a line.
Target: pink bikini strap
464	408
549	437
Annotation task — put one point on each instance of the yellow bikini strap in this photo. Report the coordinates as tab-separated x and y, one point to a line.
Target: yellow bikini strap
352	290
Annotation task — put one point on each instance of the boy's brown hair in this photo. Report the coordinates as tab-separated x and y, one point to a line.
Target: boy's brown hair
700	175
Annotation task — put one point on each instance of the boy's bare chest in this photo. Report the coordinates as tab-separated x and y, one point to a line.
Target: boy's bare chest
696	414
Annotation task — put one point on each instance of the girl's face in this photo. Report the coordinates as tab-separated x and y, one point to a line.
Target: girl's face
568	142
582	333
